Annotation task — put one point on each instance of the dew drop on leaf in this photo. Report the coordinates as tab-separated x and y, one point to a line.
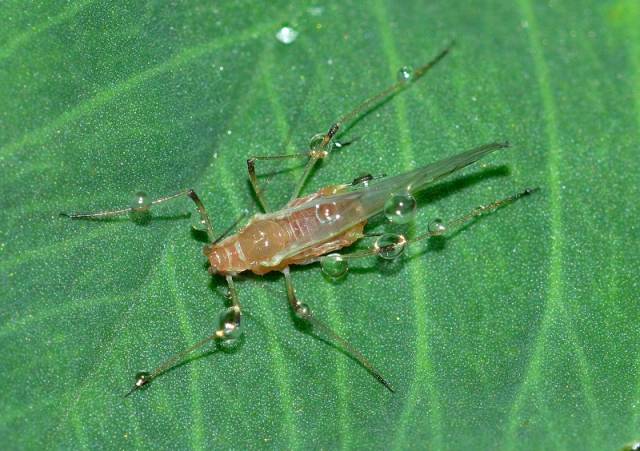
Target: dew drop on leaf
286	34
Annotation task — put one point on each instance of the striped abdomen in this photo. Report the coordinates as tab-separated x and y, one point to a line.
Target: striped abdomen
292	236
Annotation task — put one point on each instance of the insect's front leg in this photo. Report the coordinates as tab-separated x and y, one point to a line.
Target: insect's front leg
229	328
141	204
303	311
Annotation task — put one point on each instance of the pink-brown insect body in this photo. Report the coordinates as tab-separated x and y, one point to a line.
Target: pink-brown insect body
322	222
305	229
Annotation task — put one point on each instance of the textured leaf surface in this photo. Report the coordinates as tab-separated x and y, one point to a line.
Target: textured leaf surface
516	333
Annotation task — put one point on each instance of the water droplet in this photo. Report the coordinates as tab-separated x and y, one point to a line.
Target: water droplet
142	379
286	35
390	245
437	227
400	208
140	208
334	266
197	223
142	375
140	202
303	311
404	74
315	143
230	323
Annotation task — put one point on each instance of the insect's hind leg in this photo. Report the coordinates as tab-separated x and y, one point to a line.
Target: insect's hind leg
303	311
142	205
390	246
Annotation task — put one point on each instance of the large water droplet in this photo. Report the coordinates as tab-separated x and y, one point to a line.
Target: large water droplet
230	323
390	245
437	227
334	266
286	34
400	208
405	74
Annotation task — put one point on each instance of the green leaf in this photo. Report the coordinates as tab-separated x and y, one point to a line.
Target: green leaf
515	333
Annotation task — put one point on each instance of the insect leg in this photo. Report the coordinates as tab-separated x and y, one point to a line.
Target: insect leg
394	248
141	207
251	168
229	329
324	146
303	312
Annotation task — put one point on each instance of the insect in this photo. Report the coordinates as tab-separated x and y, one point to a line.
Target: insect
314	227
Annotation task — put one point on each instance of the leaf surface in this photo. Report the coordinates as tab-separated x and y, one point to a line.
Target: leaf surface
515	333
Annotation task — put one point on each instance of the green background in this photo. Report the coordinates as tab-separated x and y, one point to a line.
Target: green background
517	333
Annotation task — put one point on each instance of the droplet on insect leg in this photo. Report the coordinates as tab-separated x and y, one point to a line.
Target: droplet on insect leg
404	74
140	202
334	266
142	378
437	227
315	143
140	208
390	246
303	310
400	208
230	328
197	223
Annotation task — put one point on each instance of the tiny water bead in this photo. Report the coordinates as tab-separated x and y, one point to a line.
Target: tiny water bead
142	378
230	323
315	143
334	266
389	246
404	74
437	227
140	202
303	311
197	223
400	208
286	34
